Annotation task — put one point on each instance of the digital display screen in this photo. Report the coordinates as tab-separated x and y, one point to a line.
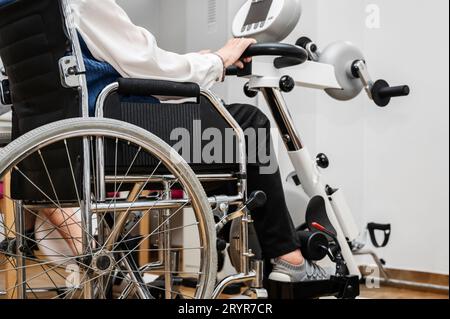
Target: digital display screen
259	11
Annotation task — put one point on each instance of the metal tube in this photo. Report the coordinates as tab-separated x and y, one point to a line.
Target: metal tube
136	280
155	205
100	141
411	284
283	118
258	268
163	178
245	253
166	244
21	288
76	50
235	279
86	217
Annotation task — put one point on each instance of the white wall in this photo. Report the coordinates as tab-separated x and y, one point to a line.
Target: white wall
144	13
393	162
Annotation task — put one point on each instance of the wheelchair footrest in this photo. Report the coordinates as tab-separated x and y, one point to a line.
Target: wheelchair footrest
339	287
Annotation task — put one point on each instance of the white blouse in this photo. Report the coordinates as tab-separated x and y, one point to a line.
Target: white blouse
133	51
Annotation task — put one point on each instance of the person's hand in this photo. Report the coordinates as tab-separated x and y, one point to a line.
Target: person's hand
233	50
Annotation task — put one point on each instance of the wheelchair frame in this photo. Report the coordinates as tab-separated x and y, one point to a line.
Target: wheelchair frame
247	274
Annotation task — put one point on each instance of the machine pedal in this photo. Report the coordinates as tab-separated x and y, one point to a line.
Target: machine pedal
386	229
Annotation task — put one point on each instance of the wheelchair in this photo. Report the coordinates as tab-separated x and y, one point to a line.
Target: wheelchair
135	220
105	207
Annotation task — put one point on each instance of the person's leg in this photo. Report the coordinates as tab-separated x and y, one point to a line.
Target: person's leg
68	224
273	222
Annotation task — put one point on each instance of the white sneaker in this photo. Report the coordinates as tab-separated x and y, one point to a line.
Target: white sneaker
308	271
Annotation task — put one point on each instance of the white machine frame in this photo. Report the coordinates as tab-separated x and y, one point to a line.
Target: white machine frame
266	78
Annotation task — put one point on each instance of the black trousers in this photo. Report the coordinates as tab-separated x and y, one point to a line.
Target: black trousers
273	223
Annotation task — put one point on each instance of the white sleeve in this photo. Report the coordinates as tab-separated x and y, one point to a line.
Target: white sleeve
133	51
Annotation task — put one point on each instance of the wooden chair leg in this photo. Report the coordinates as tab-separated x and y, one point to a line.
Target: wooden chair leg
144	229
7	208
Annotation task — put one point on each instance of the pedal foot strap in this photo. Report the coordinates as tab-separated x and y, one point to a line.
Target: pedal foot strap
385	228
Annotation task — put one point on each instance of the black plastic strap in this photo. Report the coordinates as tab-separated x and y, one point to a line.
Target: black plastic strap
142	87
386	228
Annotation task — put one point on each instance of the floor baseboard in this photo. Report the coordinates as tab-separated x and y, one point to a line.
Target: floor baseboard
424	281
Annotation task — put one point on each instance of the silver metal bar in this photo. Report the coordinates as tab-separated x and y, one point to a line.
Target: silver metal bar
155	205
365	77
151	266
258	267
163	178
166	244
21	288
235	279
136	280
86	216
245	253
83	91
76	50
160	238
100	141
283	118
411	284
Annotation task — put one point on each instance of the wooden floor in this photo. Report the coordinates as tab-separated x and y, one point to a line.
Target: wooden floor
399	293
378	293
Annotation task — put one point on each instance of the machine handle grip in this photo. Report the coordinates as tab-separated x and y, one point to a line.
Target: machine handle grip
382	92
144	87
277	49
394	91
288	55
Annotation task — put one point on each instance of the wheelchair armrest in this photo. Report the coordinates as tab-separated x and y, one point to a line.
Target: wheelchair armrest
144	87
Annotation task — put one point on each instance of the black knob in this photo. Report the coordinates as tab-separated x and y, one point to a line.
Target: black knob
257	200
304	42
322	161
287	84
248	92
221	244
330	190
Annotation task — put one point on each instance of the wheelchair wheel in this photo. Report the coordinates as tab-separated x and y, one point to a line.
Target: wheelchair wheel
103	229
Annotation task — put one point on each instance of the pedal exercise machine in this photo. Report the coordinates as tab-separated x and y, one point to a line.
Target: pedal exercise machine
341	71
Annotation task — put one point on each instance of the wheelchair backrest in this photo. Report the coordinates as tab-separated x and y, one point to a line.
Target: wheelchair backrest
33	38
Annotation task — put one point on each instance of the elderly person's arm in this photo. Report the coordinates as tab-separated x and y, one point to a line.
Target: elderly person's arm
133	51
